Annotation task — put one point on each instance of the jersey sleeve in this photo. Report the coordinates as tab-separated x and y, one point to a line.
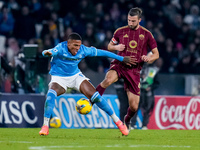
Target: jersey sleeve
115	38
109	54
90	51
151	41
54	51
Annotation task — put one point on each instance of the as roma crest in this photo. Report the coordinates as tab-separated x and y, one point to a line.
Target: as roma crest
141	36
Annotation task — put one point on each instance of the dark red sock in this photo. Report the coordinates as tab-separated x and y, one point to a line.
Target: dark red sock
129	115
100	89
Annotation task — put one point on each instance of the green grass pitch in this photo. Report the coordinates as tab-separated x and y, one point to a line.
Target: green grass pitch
98	139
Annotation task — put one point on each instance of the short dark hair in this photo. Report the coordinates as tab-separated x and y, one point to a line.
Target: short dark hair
135	12
74	36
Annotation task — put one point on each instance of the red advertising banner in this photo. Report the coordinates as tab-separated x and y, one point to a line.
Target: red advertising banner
175	112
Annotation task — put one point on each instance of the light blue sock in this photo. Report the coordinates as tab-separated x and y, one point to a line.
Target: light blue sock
101	103
49	103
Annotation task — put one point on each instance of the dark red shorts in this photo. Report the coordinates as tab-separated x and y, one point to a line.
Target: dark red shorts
131	77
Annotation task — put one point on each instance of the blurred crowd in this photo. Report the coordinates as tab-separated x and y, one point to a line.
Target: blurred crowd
175	24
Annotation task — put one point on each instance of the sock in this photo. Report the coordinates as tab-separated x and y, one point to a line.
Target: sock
49	103
102	103
114	117
129	115
100	89
46	121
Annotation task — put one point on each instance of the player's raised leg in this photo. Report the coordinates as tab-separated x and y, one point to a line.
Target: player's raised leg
102	103
89	91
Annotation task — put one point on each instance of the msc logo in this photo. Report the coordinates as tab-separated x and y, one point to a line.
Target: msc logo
14	112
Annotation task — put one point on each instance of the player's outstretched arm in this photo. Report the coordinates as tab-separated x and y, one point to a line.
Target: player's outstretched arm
127	59
50	52
46	53
109	54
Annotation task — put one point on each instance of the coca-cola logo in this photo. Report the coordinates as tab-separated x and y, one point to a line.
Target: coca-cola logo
176	115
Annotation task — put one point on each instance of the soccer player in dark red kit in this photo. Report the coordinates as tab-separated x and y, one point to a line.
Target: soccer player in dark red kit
131	40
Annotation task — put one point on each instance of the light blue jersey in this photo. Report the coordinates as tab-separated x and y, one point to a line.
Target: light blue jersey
64	64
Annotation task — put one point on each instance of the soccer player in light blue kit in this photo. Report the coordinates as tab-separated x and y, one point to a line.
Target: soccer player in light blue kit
66	74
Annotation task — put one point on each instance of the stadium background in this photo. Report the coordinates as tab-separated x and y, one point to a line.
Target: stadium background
175	25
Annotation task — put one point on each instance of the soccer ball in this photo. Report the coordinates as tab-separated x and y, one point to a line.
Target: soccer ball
55	122
83	106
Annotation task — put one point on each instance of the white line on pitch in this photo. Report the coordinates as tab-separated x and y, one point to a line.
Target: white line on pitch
15	142
71	146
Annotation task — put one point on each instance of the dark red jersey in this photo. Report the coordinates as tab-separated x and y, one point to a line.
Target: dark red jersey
137	42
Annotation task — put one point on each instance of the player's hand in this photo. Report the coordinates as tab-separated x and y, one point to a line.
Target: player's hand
120	47
145	58
47	53
130	60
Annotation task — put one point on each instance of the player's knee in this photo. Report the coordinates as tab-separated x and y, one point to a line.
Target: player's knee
56	87
134	108
107	82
